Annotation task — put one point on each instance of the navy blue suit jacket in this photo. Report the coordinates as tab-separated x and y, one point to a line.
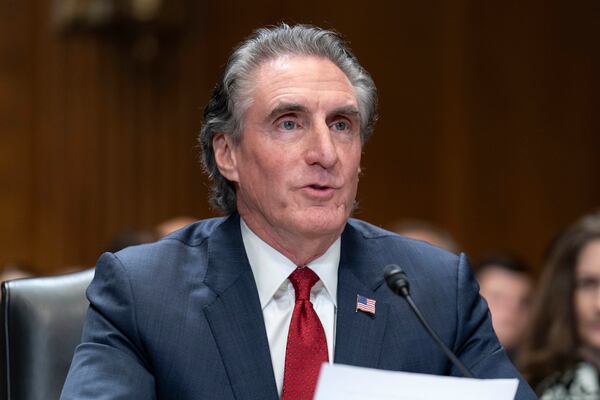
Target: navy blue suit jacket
181	318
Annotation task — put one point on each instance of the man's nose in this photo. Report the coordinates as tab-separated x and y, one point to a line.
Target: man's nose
321	147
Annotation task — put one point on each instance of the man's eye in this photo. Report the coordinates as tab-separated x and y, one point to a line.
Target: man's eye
341	126
288	125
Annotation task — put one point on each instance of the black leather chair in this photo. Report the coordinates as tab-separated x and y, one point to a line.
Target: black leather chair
42	319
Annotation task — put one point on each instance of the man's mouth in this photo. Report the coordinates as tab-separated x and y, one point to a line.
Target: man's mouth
320	192
319	187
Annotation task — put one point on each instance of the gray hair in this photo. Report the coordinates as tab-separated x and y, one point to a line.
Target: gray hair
231	96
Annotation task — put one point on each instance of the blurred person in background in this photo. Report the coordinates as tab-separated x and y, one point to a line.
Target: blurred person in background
561	354
130	237
173	224
506	285
14	270
427	232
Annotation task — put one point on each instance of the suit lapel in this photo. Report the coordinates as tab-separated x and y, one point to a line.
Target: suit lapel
235	317
359	336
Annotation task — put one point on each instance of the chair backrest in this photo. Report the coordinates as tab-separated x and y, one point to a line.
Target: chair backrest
42	320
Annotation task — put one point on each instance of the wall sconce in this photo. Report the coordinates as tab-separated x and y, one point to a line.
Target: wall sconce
140	24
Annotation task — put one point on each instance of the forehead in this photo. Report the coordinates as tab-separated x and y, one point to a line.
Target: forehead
496	276
588	261
297	77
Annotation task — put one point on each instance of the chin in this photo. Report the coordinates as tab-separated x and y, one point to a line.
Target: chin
322	222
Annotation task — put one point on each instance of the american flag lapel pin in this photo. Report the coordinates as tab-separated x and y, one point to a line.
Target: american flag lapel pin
365	305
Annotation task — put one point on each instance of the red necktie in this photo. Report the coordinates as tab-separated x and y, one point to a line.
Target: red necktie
306	345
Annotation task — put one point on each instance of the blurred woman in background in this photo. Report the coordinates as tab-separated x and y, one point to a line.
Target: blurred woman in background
561	355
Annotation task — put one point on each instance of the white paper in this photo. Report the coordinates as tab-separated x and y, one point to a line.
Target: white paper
343	382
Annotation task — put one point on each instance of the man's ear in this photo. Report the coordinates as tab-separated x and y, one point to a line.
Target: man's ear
225	156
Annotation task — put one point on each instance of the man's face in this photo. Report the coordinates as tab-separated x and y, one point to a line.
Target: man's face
296	166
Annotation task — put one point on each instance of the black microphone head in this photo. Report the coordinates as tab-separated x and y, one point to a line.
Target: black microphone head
396	279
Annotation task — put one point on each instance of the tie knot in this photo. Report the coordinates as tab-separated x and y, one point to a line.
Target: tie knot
303	279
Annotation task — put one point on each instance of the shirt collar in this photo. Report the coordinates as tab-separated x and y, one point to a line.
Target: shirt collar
271	268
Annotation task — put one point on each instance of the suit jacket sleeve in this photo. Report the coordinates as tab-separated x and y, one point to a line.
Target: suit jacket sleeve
476	343
110	363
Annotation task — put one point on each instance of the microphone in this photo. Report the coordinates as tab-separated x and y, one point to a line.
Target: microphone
397	281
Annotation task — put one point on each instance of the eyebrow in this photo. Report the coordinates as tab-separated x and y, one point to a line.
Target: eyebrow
283	108
347	110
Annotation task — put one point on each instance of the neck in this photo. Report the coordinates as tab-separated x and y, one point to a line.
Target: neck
300	249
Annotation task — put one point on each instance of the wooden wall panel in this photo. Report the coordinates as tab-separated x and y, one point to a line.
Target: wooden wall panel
534	166
488	120
16	123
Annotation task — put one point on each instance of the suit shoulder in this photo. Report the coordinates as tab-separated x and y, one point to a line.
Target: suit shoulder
393	248
192	235
178	248
195	233
369	231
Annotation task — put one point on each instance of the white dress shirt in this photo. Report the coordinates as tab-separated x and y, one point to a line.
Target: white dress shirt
277	298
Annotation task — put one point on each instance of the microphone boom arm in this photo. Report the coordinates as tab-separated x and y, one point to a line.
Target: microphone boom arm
466	373
397	281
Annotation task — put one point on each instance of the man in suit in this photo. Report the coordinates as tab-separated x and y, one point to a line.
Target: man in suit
249	306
